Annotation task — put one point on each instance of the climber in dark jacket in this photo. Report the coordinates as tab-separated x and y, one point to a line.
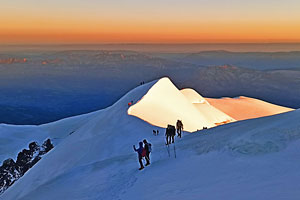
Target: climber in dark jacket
140	157
179	127
147	157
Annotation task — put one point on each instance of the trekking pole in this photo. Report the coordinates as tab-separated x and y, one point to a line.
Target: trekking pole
168	150
174	149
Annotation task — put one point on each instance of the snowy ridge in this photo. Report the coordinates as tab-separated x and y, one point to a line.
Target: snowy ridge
213	114
103	137
96	161
164	104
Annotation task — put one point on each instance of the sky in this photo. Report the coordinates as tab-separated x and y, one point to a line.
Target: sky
155	21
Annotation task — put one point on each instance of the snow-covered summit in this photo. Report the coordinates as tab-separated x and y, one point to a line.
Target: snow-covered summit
164	104
94	159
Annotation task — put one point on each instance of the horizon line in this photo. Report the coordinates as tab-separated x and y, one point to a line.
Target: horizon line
140	43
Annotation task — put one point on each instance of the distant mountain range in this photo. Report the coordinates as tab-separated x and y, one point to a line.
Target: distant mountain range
36	88
251	60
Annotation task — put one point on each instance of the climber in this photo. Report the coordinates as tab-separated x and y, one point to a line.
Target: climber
170	133
148	148
179	127
141	153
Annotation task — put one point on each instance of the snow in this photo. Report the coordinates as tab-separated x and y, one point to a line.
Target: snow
193	96
251	159
15	138
241	108
164	104
213	114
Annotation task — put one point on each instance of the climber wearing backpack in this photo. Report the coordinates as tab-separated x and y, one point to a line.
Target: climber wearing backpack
179	127
148	148
141	153
170	134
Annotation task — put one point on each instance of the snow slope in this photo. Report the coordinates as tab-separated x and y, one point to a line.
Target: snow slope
164	104
109	134
252	159
14	138
213	114
242	108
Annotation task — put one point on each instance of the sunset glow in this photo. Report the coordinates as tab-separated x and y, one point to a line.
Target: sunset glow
149	22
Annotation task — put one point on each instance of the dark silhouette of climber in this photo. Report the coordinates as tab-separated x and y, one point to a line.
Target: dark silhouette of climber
148	148
179	127
170	134
140	152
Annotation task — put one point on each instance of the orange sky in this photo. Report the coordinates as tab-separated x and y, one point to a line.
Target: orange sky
174	21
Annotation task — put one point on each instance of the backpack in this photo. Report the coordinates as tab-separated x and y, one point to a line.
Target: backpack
172	130
143	154
149	147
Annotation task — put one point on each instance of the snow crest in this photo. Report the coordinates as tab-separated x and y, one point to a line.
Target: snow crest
95	160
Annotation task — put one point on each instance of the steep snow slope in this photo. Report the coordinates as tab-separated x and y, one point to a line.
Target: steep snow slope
193	96
212	113
164	104
242	108
15	138
108	135
252	159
